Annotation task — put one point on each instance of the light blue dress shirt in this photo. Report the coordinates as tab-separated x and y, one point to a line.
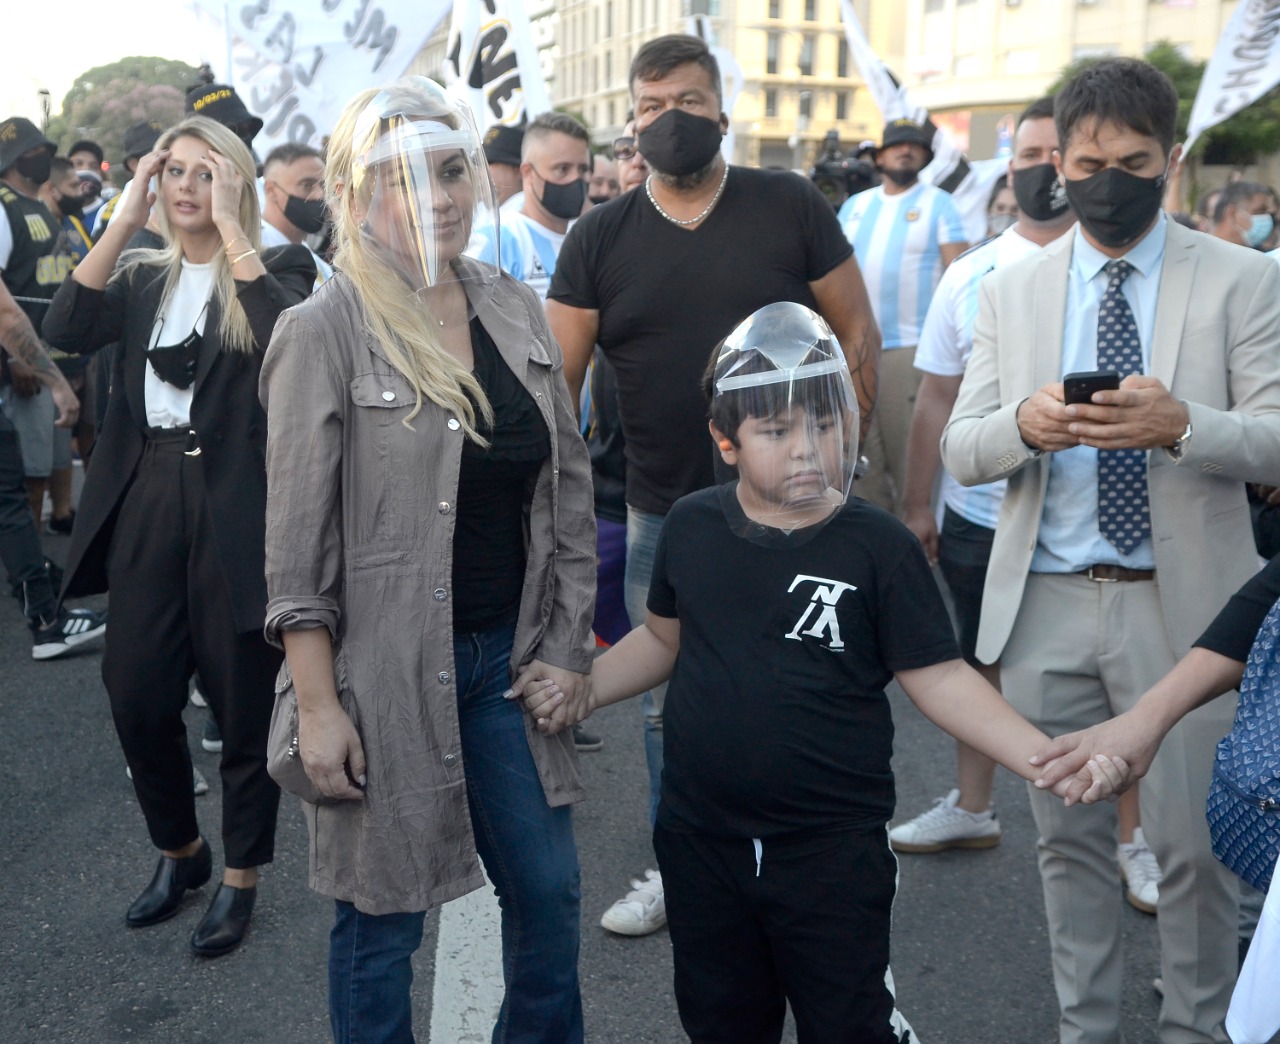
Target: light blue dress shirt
1069	540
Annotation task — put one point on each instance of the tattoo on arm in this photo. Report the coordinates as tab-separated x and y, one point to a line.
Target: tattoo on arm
22	343
865	371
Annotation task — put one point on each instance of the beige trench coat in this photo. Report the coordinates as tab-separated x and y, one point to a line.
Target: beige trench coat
360	520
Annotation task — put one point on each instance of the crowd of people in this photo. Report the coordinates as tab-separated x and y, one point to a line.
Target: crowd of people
405	456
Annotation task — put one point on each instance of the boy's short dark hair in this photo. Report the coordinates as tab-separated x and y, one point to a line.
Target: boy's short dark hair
729	409
85	145
1125	91
1040	109
1234	194
659	57
1002	183
59	168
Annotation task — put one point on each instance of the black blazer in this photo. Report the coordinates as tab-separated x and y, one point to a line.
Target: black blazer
229	421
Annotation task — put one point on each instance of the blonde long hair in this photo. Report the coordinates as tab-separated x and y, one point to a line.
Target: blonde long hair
233	325
397	319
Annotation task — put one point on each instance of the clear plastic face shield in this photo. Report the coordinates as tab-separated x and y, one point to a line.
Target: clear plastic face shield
420	179
783	411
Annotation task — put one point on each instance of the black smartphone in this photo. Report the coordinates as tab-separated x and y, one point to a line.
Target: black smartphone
1079	387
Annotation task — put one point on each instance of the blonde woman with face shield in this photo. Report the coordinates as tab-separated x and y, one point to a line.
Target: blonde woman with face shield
171	519
429	529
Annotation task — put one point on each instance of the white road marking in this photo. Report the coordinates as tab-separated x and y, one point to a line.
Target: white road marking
468	981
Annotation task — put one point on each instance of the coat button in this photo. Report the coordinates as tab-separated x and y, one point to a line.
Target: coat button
450	760
388	396
444	677
443	507
454	425
438	594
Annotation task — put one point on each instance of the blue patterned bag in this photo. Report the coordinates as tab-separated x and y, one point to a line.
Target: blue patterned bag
1244	799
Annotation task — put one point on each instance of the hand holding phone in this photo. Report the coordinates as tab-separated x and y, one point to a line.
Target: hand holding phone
1078	388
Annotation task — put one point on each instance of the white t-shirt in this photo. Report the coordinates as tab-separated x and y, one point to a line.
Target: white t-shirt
1254	1015
529	250
947	342
167	406
897	241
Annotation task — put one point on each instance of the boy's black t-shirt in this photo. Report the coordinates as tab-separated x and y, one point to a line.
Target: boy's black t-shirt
776	720
667	296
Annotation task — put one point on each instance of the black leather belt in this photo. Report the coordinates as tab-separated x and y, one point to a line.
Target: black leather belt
1111	574
184	435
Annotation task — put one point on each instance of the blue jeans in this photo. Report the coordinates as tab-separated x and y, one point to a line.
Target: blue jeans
528	852
642	544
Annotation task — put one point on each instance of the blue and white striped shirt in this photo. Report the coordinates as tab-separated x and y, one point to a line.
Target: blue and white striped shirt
897	241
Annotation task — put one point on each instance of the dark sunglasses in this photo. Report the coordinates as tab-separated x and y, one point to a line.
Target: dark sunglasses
624	148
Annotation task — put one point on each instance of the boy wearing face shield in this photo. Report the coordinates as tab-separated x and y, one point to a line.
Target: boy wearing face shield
780	610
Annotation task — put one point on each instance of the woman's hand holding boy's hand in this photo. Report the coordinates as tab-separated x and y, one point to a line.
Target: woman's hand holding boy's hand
1127	738
557	698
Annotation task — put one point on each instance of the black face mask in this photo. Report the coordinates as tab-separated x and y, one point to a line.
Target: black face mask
679	143
1039	192
35	168
176	363
305	214
1114	206
564	201
597	200
70	206
902	178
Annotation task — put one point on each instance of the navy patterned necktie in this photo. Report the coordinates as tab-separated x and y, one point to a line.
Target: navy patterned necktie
1124	513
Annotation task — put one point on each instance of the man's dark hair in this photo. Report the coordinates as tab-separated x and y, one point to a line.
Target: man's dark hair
1125	91
1234	194
728	410
553	123
659	57
290	152
85	145
1040	109
59	168
1002	183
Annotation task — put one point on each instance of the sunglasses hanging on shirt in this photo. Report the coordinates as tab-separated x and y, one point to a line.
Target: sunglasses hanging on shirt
176	363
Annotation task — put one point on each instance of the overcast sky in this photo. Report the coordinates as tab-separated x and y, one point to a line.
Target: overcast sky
43	50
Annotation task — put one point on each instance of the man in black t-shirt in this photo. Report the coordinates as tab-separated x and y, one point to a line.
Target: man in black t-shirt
661	274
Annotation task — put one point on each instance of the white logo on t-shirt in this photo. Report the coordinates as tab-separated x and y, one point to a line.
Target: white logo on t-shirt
826	594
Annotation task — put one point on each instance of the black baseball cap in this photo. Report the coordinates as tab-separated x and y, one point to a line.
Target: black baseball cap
18	136
502	144
906	131
220	102
85	145
141	138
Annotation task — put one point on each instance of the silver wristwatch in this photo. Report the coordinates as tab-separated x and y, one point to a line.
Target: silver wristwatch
1179	446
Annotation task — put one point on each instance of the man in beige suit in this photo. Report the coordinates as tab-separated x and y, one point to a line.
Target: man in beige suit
1125	526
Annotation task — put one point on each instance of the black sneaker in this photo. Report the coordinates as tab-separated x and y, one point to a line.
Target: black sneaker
212	738
72	627
61	526
584	742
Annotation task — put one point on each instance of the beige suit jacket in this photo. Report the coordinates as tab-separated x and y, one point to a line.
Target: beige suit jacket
1216	346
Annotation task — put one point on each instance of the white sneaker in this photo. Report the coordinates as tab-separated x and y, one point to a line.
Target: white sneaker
644	909
1141	873
946	826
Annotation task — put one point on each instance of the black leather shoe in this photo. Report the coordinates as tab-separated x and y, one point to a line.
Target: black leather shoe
223	925
163	896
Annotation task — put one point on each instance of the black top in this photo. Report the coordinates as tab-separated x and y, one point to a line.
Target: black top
605	445
667	296
494	487
776	720
1234	629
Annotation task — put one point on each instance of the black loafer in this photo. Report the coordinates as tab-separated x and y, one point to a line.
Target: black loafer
223	925
161	899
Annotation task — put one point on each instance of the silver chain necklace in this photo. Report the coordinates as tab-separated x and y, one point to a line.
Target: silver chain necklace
648	189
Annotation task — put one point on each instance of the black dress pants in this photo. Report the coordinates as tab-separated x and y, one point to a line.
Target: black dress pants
20	549
170	615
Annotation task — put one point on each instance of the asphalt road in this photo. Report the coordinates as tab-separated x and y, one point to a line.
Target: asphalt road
970	954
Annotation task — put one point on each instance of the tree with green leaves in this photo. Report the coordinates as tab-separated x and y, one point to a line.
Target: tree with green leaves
108	99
